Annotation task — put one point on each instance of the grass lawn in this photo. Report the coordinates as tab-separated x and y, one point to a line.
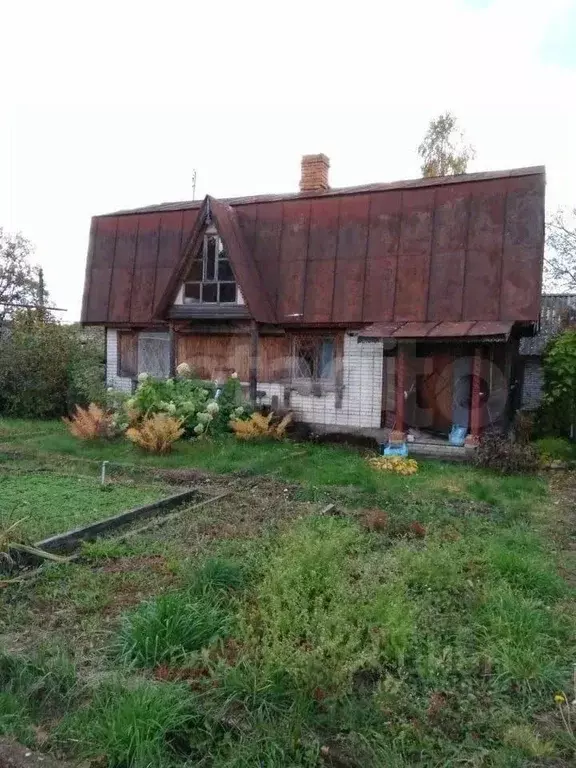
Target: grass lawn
430	622
48	503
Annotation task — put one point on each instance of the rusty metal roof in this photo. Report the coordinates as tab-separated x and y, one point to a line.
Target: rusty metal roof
458	249
439	330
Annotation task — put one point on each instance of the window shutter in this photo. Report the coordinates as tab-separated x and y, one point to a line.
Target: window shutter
128	354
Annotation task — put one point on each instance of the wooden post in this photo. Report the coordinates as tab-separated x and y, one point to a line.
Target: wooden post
475	412
253	373
173	351
400	388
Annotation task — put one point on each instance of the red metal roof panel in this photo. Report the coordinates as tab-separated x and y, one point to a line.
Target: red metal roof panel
449	330
460	250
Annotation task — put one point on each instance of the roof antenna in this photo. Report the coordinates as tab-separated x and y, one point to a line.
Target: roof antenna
194	184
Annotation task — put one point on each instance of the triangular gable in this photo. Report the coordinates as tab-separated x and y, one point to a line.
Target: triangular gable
245	271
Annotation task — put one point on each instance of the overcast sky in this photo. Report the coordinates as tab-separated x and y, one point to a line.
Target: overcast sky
113	104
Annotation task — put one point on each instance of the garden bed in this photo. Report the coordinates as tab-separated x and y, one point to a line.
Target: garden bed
43	504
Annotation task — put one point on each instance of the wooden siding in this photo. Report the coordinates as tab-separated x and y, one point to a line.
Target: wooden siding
214	355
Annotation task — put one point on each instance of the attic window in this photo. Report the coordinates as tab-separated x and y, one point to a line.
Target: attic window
210	280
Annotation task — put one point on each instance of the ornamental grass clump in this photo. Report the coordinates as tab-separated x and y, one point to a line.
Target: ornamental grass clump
258	426
90	423
157	433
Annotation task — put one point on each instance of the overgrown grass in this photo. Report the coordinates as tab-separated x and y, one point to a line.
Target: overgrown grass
440	638
143	726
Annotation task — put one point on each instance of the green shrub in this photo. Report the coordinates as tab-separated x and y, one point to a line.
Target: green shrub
47	368
169	628
556	448
557	413
501	454
192	401
134	727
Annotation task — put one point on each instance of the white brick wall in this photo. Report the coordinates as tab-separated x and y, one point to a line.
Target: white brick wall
122	383
362	397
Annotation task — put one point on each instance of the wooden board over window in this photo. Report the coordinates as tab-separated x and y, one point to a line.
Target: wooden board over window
127	354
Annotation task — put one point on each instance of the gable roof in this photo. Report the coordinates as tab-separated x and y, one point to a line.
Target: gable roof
455	249
243	266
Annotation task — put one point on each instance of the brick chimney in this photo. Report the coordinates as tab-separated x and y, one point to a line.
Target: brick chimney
314	176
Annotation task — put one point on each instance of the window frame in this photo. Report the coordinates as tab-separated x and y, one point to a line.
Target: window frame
317	377
202	256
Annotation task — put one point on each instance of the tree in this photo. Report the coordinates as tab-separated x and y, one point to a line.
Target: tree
443	150
560	256
21	282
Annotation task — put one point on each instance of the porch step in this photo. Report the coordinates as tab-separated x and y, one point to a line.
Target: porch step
443	451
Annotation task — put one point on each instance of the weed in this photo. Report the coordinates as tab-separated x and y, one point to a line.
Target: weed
141	726
46	681
167	629
14	718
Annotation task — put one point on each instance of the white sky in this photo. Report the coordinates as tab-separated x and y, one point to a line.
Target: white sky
112	104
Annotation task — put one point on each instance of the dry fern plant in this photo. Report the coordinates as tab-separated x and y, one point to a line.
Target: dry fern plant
260	426
90	423
156	433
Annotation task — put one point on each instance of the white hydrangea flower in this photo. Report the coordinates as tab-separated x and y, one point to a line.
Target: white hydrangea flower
239	411
143	376
170	382
183	369
203	417
131	402
110	389
199	428
212	407
171	408
234	375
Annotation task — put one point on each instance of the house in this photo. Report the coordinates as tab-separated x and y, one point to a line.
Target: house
383	306
558	310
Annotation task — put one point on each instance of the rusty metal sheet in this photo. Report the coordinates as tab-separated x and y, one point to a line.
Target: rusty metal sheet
490	328
293	254
414	255
267	246
321	264
382	258
446	285
170	245
380	330
449	330
88	270
351	258
246	216
122	274
144	272
483	268
414	330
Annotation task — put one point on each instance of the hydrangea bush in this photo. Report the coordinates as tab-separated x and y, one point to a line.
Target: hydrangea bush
202	407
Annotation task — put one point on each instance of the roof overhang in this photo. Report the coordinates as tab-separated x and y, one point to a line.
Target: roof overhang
494	330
